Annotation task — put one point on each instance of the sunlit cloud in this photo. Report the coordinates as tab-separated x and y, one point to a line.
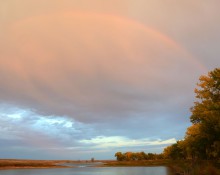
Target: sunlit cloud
117	141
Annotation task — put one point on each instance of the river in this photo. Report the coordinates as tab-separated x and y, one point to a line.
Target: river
90	171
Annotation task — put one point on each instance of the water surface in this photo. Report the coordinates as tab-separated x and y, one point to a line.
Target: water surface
90	171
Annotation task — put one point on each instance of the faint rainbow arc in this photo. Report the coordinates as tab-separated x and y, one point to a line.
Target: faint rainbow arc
116	18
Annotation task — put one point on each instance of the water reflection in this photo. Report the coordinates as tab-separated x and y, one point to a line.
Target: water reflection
82	165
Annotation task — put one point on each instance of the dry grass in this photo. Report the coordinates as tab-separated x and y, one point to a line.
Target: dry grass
136	163
14	163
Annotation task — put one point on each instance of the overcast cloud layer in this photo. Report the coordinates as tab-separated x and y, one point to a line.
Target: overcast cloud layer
82	79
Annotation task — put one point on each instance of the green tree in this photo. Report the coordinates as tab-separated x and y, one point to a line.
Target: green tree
206	113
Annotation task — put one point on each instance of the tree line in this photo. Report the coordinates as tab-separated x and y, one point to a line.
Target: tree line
133	156
202	138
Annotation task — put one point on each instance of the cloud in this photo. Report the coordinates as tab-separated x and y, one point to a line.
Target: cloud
91	67
36	135
117	142
37	130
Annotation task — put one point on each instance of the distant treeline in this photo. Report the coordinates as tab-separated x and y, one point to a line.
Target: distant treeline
132	156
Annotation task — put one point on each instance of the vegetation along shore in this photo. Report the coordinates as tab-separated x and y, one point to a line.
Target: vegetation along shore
17	163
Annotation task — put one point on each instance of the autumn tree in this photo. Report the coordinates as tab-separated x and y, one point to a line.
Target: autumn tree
142	156
128	156
202	139
206	114
119	156
137	156
174	151
195	142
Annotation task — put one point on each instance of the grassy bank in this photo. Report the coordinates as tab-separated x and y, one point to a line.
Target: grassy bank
137	163
14	163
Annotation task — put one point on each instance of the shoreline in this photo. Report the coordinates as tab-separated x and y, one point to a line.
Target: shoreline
10	164
173	166
29	167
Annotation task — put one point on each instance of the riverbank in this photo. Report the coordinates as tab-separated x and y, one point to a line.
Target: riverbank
180	167
30	164
136	163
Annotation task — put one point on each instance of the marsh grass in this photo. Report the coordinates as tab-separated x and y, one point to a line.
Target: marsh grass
14	163
137	163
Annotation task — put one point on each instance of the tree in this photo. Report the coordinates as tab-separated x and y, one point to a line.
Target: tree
142	156
174	151
137	156
202	139
128	156
151	156
119	156
206	113
195	142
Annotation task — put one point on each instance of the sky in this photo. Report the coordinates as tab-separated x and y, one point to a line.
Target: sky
83	79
